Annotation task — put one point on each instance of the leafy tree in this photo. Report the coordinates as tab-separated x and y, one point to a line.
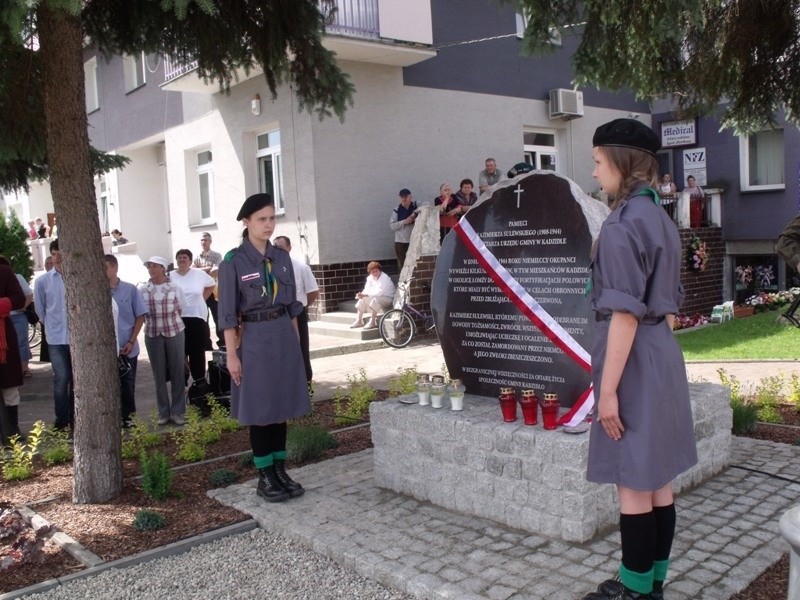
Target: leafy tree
701	53
13	236
41	82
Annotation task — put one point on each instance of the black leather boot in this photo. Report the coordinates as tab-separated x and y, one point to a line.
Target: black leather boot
13	417
269	487
614	590
291	486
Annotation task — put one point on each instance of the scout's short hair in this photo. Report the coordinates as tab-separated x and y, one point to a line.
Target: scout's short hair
374	265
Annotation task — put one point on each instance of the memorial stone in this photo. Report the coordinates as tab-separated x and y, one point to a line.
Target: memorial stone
540	227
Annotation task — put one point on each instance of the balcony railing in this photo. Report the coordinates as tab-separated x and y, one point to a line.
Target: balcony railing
357	18
688	212
174	68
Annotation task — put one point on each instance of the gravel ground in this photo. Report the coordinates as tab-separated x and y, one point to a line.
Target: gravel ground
261	565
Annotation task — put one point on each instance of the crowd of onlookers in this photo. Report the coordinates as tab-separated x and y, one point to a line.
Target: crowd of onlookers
172	308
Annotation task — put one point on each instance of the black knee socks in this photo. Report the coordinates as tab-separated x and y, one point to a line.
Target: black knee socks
266	440
639	534
665	527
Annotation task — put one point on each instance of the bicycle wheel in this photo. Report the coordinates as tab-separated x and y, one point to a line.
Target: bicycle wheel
396	328
34	335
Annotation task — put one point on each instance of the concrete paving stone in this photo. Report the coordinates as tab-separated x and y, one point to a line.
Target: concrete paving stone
687	587
736	550
494	573
500	592
703	575
763	535
594	560
475	585
517	552
452	574
533	541
393	575
499	546
717	566
365	563
432	565
449	591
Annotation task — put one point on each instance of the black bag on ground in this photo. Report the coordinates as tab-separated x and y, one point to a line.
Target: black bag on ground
197	396
30	314
220	381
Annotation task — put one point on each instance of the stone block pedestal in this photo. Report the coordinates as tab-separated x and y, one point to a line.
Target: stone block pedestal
521	476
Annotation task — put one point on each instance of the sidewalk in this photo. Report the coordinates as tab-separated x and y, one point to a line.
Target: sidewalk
727	527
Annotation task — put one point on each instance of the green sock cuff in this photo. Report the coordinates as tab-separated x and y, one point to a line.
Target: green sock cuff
637	582
660	568
279	455
262	462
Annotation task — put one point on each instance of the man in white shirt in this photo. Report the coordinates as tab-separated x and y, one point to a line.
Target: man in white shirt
307	293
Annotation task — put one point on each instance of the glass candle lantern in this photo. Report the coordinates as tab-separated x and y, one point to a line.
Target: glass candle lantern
529	403
438	388
550	407
508	404
456	393
423	387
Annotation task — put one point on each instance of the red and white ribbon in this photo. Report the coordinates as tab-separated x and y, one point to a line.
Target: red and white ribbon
534	311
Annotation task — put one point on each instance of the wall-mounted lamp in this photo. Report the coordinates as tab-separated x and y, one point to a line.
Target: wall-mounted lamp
255	105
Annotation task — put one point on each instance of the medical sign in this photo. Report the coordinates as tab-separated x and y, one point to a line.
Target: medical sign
678	133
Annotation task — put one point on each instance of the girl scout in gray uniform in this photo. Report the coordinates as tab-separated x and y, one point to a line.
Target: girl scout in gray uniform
257	311
642	433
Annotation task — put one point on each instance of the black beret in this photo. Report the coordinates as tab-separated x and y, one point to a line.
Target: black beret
519	169
627	133
252	204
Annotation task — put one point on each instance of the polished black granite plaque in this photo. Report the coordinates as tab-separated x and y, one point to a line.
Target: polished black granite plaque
538	230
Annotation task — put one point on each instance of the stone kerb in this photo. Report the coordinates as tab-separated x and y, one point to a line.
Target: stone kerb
524	477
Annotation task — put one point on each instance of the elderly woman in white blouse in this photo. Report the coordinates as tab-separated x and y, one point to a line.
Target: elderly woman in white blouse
377	295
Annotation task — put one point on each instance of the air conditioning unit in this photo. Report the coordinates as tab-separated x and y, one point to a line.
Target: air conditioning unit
566	104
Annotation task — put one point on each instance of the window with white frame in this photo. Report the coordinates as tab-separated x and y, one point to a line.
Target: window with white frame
540	149
522	24
102	204
761	160
270	175
201	210
90	84
133	71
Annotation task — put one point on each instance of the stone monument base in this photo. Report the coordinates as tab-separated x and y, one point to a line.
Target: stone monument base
522	476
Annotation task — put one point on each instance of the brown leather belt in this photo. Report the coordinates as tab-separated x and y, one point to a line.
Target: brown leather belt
264	315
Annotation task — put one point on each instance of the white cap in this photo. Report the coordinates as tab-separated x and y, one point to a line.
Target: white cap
156	260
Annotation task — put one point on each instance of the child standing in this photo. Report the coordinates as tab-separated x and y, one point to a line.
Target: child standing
642	433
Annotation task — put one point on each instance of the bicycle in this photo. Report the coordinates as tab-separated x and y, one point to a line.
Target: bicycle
397	326
34	335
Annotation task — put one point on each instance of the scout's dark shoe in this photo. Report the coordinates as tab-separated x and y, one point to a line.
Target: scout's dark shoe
613	589
292	487
269	488
594	596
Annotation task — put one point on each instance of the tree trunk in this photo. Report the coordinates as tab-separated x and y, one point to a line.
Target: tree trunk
97	468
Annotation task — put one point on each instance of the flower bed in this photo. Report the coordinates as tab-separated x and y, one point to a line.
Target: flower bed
688	321
764	301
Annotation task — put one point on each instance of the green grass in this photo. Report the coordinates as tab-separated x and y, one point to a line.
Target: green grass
759	337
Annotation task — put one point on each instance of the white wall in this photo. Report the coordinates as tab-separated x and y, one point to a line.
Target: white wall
406	20
230	131
143	204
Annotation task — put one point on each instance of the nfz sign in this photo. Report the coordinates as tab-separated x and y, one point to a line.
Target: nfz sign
694	163
678	133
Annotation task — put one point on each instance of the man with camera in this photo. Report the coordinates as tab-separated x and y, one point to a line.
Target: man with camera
402	222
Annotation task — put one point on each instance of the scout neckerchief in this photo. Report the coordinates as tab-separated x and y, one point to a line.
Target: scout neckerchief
270	285
643	192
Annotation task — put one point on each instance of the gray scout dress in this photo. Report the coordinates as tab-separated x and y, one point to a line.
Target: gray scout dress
636	270
273	387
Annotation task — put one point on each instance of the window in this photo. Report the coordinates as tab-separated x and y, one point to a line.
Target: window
202	209
522	24
761	161
133	71
270	175
90	84
540	150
